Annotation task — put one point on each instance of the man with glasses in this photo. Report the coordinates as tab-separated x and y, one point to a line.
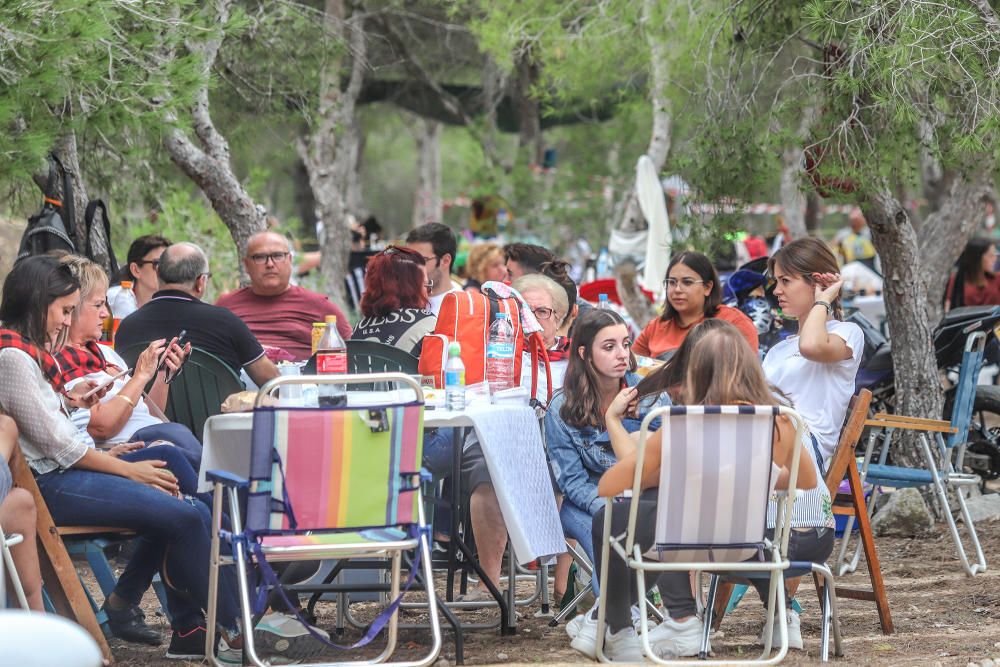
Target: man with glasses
278	313
183	272
437	244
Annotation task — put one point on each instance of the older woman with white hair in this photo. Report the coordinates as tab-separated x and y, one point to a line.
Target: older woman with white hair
550	305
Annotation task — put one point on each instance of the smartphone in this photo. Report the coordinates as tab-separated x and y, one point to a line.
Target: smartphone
170	377
107	384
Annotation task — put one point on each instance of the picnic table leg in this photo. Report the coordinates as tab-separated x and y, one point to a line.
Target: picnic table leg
456	499
58	574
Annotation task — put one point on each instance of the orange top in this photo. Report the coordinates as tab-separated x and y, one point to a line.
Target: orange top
659	336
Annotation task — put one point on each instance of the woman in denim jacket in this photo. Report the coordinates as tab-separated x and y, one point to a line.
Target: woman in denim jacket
601	363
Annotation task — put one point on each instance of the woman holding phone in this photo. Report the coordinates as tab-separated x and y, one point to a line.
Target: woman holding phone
82	485
125	416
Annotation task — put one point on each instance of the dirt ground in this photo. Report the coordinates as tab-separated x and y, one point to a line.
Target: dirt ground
942	617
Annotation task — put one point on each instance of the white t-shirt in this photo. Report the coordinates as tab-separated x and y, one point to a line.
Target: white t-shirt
820	392
558	369
434	302
122	303
141	416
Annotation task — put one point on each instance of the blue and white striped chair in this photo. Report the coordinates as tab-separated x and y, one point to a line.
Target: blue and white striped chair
715	483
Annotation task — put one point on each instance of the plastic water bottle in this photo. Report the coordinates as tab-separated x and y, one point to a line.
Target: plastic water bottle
602	301
603	262
500	354
454	379
290	394
121	305
331	359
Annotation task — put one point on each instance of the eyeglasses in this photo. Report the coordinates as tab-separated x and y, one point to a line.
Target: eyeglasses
432	258
543	313
684	283
207	275
274	257
154	262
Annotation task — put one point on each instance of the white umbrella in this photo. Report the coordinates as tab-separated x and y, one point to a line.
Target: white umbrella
654	209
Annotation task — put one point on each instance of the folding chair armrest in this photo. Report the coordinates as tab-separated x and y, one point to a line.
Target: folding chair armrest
226	478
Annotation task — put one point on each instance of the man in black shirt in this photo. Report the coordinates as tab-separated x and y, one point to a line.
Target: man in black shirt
183	274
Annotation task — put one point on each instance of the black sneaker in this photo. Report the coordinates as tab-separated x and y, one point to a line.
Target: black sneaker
129	624
187	645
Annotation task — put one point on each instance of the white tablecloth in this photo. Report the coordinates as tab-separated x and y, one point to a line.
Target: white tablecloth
511	442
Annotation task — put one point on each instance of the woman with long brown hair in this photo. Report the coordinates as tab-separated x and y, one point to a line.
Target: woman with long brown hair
723	370
816	368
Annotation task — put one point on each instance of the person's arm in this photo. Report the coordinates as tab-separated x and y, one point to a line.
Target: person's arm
108	417
815	343
622	442
571	474
641	344
262	370
621	475
153	473
343	324
784	450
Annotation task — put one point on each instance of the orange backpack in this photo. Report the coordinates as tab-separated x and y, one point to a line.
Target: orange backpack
465	317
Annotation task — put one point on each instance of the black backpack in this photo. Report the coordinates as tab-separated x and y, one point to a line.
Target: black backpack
48	229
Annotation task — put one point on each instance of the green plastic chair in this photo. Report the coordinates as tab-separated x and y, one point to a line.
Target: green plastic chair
200	389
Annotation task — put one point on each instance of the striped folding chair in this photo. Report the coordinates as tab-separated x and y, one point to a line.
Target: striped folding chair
339	483
715	482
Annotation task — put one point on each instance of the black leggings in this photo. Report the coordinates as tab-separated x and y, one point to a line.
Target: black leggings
813	545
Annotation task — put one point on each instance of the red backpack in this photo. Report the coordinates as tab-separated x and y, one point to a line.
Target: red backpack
465	317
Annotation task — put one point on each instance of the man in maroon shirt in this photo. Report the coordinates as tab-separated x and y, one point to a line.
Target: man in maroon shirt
278	313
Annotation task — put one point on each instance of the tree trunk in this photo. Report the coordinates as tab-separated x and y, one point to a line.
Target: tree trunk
918	385
305	203
812	217
529	111
354	195
792	200
207	162
427	206
330	150
659	145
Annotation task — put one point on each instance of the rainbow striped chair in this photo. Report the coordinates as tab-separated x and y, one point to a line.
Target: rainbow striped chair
339	482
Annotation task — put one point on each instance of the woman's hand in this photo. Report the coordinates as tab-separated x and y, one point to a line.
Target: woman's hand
145	365
75	396
621	404
125	448
154	473
827	286
176	356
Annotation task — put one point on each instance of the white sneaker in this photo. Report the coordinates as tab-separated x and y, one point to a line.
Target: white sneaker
623	646
794	632
585	639
637	618
673	639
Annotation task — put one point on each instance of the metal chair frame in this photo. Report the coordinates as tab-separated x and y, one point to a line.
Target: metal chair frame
391	550
628	550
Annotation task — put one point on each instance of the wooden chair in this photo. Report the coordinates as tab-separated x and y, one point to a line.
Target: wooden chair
842	464
62	584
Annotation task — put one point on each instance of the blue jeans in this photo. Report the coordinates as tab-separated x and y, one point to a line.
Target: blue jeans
176	532
577	524
179	434
439	446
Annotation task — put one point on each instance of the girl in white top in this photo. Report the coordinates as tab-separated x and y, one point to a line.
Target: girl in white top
816	368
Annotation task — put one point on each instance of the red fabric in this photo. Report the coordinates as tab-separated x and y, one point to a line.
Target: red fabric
659	336
756	246
77	362
284	321
44	360
987	294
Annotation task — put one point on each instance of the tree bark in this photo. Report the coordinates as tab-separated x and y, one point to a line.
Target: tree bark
905	290
812	216
330	150
659	145
793	201
205	157
529	111
427	206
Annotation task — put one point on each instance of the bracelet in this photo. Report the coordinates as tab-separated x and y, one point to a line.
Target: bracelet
825	304
126	399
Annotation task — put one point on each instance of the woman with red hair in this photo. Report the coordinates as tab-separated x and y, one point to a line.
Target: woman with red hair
394	303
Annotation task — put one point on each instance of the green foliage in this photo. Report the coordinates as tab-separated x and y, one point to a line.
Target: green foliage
184	217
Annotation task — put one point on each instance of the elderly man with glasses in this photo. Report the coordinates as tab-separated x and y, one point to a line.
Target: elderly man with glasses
278	313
